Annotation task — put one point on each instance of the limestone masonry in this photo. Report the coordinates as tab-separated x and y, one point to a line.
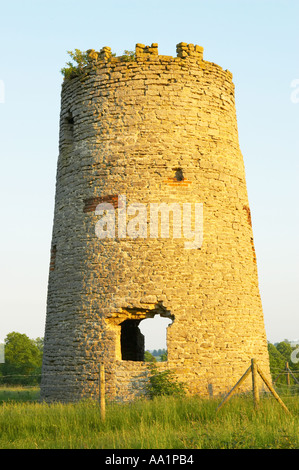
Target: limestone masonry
135	132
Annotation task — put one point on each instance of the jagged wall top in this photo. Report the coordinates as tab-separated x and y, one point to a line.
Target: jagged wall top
143	52
149	54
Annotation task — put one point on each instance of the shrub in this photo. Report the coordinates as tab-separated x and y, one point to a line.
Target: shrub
128	56
82	59
164	383
71	70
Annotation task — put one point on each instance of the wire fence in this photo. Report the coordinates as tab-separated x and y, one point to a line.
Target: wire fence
288	385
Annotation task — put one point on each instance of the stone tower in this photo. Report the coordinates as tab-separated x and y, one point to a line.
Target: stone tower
151	217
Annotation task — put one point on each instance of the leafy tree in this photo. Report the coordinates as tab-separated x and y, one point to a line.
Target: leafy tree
39	342
161	353
285	350
279	354
164	356
277	361
23	359
148	357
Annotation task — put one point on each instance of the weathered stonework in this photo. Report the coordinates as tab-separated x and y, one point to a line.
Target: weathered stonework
154	129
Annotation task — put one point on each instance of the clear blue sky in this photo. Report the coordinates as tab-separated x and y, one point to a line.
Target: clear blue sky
257	40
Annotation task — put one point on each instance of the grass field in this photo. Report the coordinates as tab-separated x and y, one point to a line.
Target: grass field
161	423
18	394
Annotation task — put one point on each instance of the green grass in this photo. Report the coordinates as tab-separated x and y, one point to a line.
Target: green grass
18	394
161	423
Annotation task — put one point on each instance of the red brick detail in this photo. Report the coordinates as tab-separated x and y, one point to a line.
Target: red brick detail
91	203
175	182
53	257
246	208
253	250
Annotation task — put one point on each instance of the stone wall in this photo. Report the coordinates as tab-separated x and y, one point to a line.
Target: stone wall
143	130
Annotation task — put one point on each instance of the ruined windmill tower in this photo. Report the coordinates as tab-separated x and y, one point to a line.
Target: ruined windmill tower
154	133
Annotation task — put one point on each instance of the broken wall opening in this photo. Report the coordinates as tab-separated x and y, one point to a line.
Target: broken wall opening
131	341
155	332
132	326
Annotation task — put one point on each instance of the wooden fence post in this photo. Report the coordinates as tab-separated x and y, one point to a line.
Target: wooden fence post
255	370
102	391
255	389
234	388
296	381
287	373
272	389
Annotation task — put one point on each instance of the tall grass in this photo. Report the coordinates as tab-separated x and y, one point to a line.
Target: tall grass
161	423
19	393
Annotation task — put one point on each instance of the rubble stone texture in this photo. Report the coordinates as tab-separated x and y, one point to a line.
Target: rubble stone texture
155	129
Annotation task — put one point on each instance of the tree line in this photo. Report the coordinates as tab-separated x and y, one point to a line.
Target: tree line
23	359
155	355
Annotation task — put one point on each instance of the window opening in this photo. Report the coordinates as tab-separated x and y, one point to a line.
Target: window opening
131	341
69	128
145	329
140	335
155	334
179	176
